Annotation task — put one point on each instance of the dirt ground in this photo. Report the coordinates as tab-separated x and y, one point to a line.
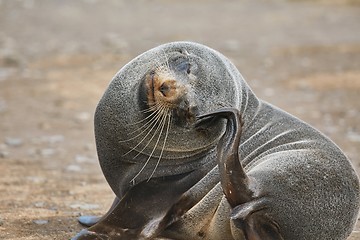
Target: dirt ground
57	57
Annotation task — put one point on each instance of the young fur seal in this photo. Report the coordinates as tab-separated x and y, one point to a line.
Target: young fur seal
192	153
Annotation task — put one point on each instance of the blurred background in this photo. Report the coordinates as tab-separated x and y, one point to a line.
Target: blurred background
57	58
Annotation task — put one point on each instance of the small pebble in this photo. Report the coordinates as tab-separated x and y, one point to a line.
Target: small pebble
82	117
83	159
46	152
73	168
13	142
36	179
55	139
41	222
353	136
4	154
84	206
48	139
39	204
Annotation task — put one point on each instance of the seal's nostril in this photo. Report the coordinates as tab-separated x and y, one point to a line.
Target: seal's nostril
164	89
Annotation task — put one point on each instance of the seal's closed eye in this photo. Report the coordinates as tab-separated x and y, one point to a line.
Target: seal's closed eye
181	64
184	67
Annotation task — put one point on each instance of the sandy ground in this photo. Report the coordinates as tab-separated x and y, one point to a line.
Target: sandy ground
57	57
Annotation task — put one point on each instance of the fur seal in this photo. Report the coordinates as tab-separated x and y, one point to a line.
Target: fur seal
192	153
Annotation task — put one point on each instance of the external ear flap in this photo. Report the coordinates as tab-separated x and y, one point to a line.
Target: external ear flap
252	219
260	227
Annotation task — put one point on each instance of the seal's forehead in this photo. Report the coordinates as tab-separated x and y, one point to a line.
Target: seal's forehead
196	47
155	56
191	47
215	60
158	55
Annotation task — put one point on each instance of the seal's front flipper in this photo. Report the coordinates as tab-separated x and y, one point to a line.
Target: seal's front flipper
89	221
145	210
254	222
135	216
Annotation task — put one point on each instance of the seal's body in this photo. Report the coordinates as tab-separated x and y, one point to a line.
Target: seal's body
192	153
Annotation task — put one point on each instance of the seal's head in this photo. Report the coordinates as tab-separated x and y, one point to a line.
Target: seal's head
145	122
167	91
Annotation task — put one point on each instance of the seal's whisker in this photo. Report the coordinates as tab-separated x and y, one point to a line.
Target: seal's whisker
163	147
142	120
143	128
157	117
162	124
155	112
166	60
149	109
158	64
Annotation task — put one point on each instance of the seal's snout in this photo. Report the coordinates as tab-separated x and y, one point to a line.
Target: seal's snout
168	93
163	90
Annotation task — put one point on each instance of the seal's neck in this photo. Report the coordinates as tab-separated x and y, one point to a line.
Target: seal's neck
249	106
